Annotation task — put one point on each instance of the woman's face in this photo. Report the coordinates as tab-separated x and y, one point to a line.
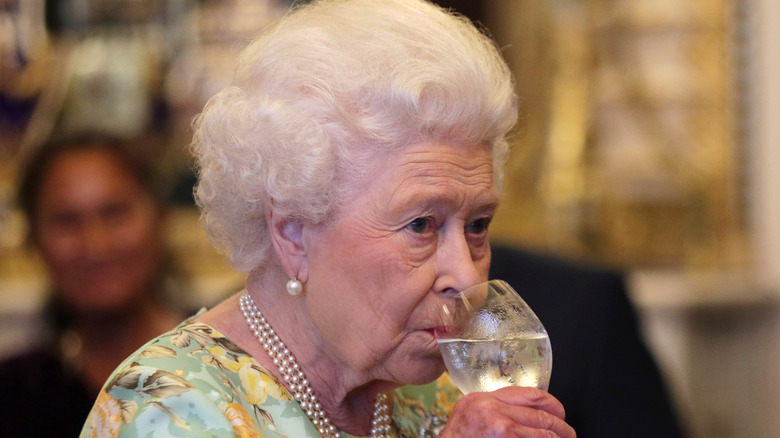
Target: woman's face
97	230
417	230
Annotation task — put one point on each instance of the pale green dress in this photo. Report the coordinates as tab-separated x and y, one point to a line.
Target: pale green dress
195	382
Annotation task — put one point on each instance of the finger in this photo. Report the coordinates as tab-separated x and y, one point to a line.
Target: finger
532	397
530	424
522	417
542	423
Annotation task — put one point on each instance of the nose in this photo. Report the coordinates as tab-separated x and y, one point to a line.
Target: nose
456	264
96	240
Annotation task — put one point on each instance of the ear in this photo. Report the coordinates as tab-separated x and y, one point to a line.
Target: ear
287	238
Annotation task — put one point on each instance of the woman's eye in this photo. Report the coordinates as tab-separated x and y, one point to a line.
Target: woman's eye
419	225
117	212
479	226
63	220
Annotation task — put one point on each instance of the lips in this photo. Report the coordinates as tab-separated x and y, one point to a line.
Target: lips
430	339
443	332
104	273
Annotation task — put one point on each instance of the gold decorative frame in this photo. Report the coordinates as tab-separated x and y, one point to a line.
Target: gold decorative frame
627	149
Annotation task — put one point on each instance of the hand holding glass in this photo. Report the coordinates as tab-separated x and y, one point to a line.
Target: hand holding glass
493	339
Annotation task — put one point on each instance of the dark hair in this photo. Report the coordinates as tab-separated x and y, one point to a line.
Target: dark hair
37	165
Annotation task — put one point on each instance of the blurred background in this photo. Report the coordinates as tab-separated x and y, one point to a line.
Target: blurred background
649	140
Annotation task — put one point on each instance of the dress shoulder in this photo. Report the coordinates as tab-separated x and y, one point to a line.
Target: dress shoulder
193	381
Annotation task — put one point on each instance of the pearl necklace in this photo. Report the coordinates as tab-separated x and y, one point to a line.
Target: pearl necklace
293	375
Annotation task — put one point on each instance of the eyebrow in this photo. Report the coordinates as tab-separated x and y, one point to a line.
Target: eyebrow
436	199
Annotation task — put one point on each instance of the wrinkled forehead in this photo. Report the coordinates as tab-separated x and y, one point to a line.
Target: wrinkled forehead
428	168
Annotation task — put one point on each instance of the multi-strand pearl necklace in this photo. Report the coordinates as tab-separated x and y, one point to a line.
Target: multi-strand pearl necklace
296	380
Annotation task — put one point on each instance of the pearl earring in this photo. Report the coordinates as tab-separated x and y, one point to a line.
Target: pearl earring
294	287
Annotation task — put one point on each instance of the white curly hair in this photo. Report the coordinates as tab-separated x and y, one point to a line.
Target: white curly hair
331	85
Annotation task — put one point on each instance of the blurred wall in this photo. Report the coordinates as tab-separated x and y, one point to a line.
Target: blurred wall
712	321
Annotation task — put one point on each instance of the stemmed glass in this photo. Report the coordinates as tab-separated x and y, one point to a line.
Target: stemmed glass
492	339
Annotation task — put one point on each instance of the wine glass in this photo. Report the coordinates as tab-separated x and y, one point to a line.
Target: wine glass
492	339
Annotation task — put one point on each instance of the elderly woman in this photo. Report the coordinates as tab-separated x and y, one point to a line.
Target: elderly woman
352	169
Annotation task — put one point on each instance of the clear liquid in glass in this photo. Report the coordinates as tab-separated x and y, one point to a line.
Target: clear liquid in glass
487	365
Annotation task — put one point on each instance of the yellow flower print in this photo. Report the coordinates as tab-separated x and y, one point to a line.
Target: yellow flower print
258	384
221	356
444	401
446	396
225	360
241	421
443	381
275	388
106	417
253	383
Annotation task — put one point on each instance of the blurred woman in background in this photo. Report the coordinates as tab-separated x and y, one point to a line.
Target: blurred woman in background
95	213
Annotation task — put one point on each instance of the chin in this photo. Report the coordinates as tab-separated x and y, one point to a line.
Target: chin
424	371
99	302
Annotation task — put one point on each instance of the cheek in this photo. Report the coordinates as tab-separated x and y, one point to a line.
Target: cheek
345	257
392	284
138	241
140	257
483	265
380	293
140	235
392	311
401	280
59	251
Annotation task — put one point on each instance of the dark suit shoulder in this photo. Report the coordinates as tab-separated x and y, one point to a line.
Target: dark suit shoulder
518	260
603	372
554	279
38	385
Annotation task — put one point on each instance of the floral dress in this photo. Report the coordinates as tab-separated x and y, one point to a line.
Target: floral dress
195	382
